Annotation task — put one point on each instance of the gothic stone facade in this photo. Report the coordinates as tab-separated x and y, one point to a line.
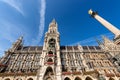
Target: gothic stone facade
54	62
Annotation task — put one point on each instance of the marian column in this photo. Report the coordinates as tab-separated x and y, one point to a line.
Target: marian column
105	23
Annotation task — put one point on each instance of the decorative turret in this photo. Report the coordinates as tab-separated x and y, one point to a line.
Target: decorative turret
17	44
108	25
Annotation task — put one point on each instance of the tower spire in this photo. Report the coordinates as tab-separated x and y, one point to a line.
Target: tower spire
105	23
54	21
53	27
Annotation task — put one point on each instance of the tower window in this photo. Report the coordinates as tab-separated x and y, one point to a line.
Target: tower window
52	40
50	60
50	52
52	43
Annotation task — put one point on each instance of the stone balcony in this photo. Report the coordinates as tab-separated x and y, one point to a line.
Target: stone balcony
49	63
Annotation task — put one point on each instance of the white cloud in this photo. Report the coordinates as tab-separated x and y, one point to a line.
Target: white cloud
92	41
1	52
15	4
42	19
9	31
42	22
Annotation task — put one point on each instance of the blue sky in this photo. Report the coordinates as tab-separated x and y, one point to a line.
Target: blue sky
31	18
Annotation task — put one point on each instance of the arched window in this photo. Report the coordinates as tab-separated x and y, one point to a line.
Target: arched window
111	78
52	40
52	43
30	79
7	79
48	78
88	78
67	78
50	52
48	74
50	60
18	79
77	78
90	64
49	71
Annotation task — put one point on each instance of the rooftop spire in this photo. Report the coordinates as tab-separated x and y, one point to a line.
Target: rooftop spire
21	38
53	21
53	26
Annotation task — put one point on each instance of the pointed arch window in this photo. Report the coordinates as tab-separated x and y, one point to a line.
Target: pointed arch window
37	64
90	65
50	60
21	56
50	52
30	79
80	62
52	43
7	79
28	64
77	78
48	72
67	78
37	56
29	57
88	78
18	79
13	56
18	63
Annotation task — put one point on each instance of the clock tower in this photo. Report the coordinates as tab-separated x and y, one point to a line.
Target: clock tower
51	62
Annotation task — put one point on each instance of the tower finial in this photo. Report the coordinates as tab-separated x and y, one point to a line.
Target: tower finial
53	21
90	12
21	37
98	41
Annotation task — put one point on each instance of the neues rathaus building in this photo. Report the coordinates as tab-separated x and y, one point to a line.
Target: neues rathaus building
55	62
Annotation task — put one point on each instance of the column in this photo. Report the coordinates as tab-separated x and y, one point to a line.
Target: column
105	23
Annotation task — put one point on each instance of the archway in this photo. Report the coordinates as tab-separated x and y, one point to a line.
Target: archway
18	79
48	74
30	79
67	78
77	78
7	79
88	78
111	78
49	70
